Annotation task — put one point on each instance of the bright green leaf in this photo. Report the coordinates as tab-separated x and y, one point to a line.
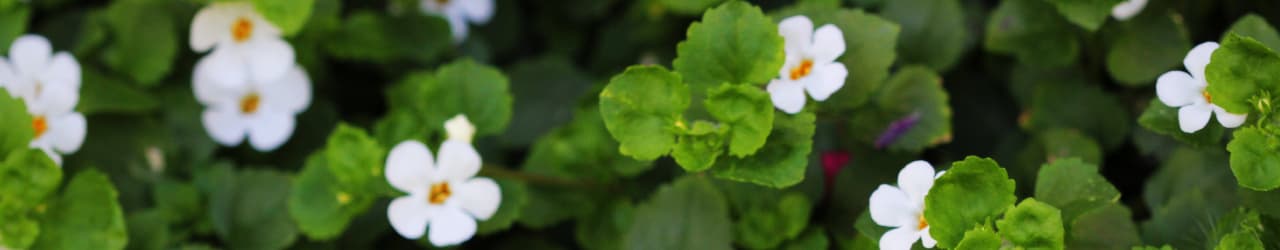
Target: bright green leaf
1031	31
747	111
1088	14
1253	158
687	214
16	134
289	15
980	238
1240	69
642	109
1241	240
86	216
689	7
933	31
355	160
29	176
13	23
972	192
697	149
1033	225
1255	26
734	43
782	161
319	205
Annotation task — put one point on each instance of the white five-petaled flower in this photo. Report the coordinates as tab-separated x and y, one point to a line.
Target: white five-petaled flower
459	13
810	64
245	45
444	195
1128	9
263	110
902	207
1187	92
49	83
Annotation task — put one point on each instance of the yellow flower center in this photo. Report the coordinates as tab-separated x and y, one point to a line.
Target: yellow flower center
439	193
802	70
40	125
249	104
923	223
442	2
242	29
1207	98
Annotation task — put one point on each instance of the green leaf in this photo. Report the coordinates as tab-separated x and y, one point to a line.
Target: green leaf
1255	26
1081	106
461	87
29	176
933	31
814	238
1088	14
782	161
177	201
582	149
1107	227
642	109
747	111
355	160
1050	146
250	211
1238	229
1240	240
697	149
1031	31
1163	120
980	238
734	43
546	91
687	214
16	134
972	192
1253	158
1033	225
606	228
321	207
916	92
1240	69
767	227
289	15
100	93
145	43
1145	47
1074	186
689	7
148	230
374	36
13	23
18	231
869	48
86	216
514	198
1267	203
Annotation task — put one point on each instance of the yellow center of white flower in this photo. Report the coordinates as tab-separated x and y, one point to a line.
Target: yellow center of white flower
802	70
249	104
40	125
242	29
439	193
923	223
1207	98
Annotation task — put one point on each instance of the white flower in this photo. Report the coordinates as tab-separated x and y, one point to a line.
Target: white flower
810	64
443	195
902	207
459	128
1128	9
244	44
49	83
263	110
1187	92
459	13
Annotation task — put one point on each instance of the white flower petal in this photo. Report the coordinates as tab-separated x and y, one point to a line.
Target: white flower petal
479	11
66	132
225	67
915	180
451	227
459	128
62	70
1177	89
828	44
269	130
54	99
6	76
409	216
890	207
268	59
797	32
458	161
410	167
480	197
1198	58
825	80
458	26
225	126
899	238
1227	119
262	28
209	91
787	96
926	239
1192	118
1128	9
211	26
291	94
30	55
